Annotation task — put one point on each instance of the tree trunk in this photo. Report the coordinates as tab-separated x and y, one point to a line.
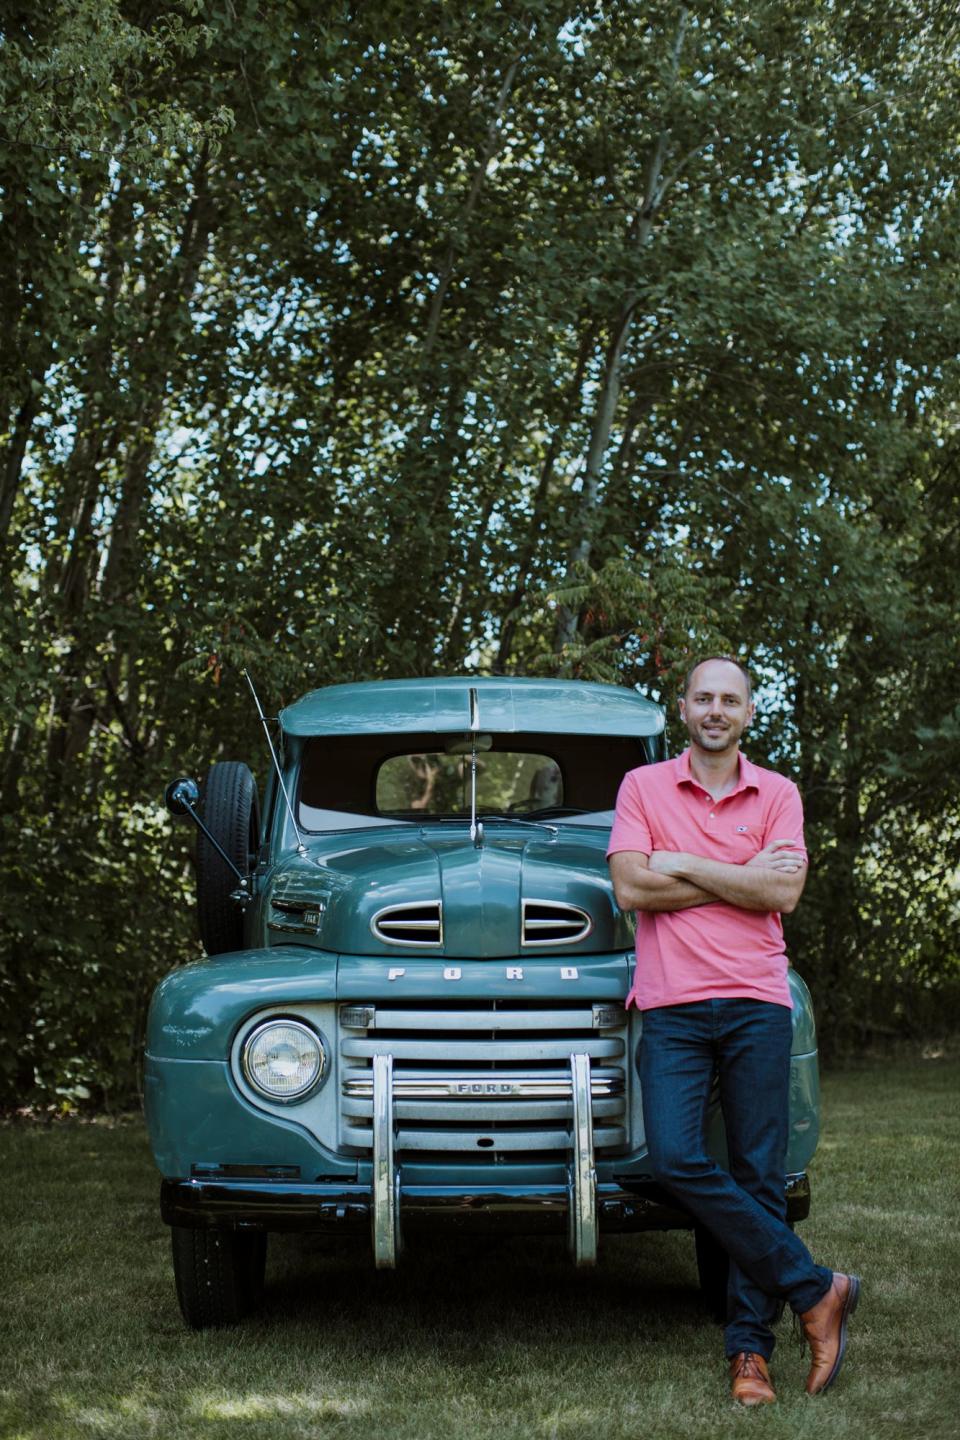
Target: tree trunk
529	548
12	468
589	510
75	709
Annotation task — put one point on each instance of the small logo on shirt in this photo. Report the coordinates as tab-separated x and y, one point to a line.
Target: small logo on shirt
742	829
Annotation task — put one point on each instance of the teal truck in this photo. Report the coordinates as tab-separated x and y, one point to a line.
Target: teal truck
412	1014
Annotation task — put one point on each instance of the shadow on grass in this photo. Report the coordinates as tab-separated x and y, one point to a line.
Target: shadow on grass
514	1291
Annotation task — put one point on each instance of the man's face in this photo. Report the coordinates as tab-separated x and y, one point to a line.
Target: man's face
715	708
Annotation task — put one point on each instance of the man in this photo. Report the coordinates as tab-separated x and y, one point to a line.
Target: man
708	849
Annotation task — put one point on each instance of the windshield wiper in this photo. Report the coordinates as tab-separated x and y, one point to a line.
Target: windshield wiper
507	818
486	816
558	810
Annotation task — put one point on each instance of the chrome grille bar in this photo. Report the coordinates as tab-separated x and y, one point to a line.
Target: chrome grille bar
476	1141
597	1017
486	1085
459	1052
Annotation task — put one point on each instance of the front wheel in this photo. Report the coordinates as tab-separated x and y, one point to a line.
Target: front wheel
219	1274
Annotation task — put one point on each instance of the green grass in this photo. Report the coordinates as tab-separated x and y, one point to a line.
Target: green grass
495	1341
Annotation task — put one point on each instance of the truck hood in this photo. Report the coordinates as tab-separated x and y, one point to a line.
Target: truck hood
430	891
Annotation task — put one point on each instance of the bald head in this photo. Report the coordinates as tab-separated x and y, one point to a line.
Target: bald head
716	660
717	705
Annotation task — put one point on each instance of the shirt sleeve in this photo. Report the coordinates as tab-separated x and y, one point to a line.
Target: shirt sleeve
631	829
785	818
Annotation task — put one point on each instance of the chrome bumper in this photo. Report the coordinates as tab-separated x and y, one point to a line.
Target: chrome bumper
349	1208
622	1206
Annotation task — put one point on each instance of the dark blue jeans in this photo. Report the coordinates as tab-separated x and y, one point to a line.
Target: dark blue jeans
746	1043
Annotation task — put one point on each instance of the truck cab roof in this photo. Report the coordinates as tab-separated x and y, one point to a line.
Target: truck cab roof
504	705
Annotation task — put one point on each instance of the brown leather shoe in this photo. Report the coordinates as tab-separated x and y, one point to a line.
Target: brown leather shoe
751	1380
825	1329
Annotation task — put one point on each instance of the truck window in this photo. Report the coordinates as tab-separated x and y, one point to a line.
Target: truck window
352	781
439	784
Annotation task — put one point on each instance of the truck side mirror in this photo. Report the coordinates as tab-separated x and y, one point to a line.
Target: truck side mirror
182	796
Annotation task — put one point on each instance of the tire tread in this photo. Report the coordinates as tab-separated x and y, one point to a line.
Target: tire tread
218	1273
231	811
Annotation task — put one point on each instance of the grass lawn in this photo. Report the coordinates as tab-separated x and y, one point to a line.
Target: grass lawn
501	1341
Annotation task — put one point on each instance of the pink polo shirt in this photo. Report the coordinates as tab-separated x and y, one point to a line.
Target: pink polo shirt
716	950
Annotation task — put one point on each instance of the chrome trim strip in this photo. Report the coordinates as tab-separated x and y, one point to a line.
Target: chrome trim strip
478	1111
385	1212
484	1087
476	1138
411	924
297	904
608	1047
583	1188
294	927
497	1021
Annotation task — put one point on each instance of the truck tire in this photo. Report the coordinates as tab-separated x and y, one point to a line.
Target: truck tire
231	811
219	1274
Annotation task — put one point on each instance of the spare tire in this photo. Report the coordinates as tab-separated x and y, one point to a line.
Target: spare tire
231	812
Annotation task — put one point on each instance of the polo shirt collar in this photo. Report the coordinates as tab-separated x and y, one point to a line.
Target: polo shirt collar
748	778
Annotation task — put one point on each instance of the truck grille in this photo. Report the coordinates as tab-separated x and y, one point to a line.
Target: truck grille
485	1080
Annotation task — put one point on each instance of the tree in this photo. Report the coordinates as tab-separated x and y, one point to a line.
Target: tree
349	344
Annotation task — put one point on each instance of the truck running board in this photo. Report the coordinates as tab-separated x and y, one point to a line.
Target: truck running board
583	1226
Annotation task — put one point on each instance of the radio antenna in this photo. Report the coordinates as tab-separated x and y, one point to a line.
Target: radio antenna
476	828
276	763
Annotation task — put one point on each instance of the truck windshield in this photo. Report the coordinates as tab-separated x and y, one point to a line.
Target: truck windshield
361	780
439	784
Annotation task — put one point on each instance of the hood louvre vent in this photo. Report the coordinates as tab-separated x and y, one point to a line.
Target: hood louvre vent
410	925
549	922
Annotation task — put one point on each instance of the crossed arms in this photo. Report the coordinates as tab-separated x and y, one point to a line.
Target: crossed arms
674	880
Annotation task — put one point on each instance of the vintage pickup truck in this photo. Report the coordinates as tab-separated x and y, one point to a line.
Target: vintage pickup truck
412	1014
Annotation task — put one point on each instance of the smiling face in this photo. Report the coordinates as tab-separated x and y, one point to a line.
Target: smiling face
716	708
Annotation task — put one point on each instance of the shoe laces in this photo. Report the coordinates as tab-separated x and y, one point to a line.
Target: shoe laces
746	1366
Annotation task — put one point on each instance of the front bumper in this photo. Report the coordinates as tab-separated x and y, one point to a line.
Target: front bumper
335	1206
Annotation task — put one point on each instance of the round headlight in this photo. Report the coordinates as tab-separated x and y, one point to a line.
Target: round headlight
283	1059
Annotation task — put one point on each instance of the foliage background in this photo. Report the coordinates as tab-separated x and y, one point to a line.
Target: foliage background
353	341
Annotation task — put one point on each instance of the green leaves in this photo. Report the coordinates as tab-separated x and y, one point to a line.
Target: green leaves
347	344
